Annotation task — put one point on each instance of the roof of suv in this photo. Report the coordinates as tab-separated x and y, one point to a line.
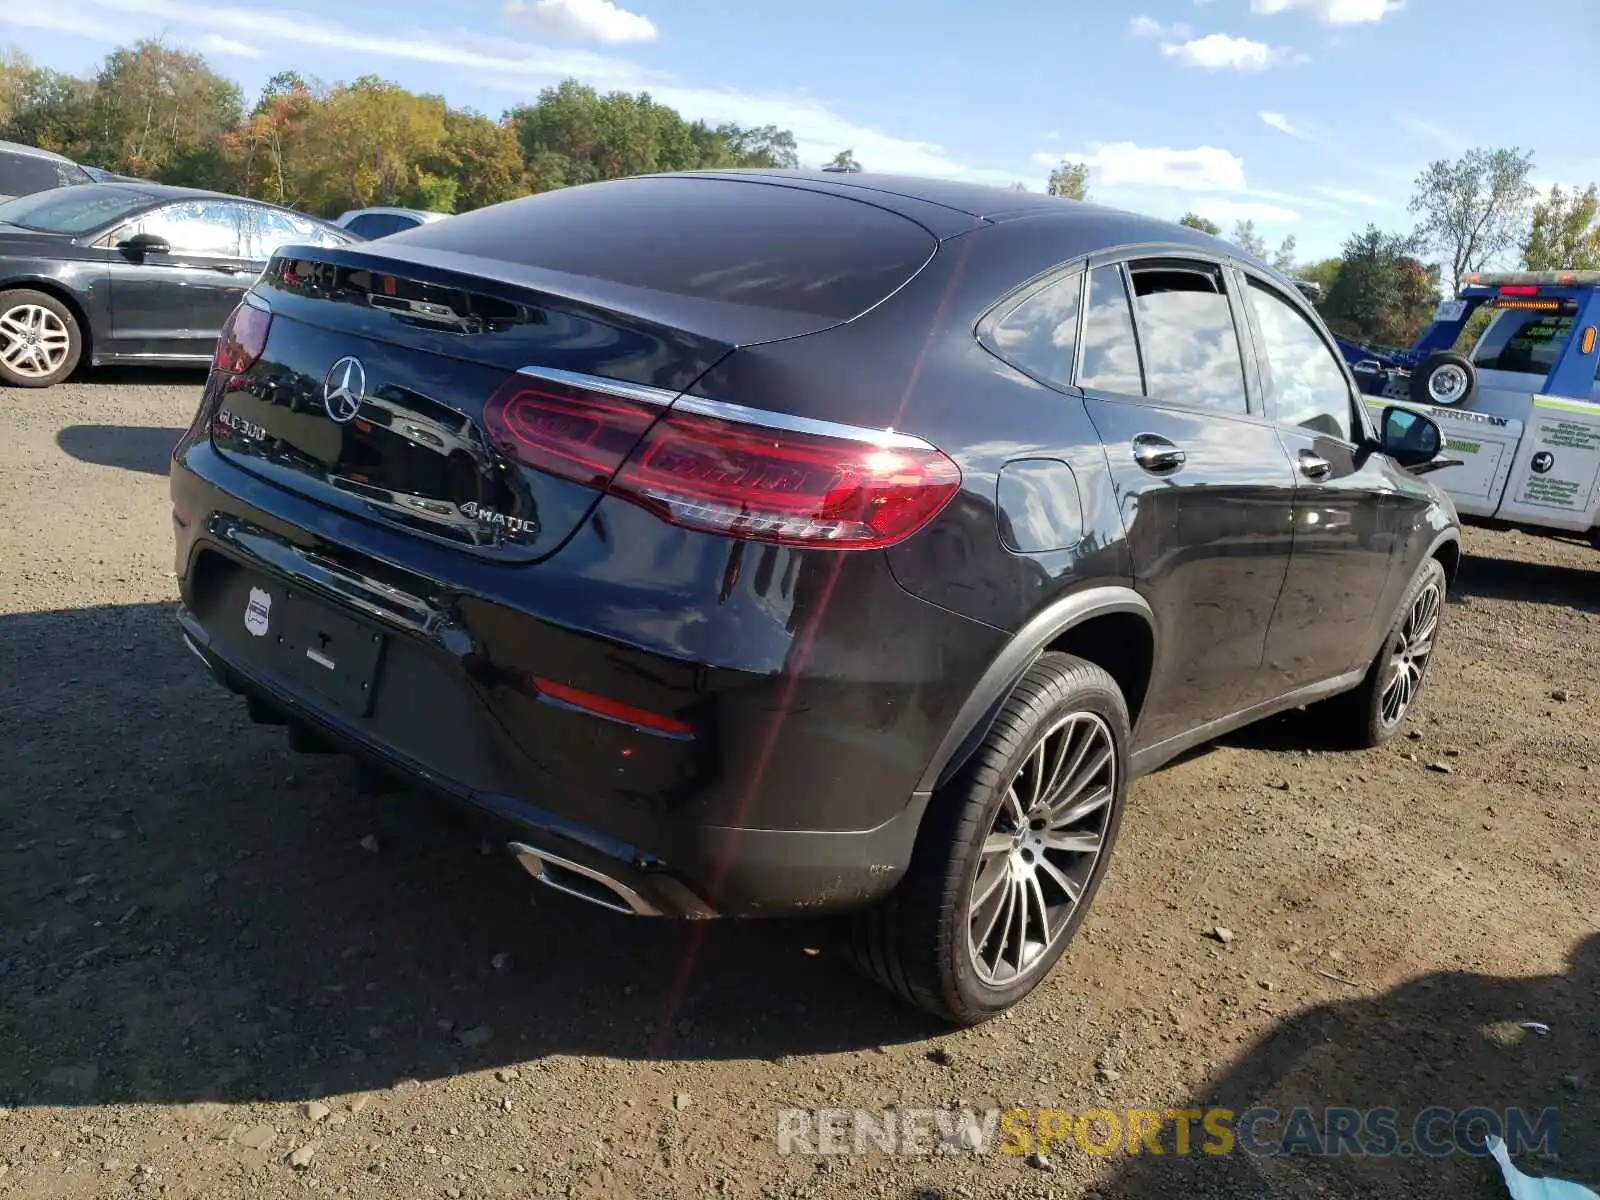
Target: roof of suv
32	151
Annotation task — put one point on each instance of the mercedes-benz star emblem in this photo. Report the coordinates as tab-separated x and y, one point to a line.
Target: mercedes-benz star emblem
344	388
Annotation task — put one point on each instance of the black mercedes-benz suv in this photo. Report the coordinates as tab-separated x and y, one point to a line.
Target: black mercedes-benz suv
764	543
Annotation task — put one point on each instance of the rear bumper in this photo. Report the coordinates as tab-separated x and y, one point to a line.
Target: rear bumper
752	872
817	698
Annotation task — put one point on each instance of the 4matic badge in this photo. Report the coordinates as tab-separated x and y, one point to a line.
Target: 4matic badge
499	522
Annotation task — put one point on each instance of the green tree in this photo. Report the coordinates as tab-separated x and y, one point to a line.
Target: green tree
482	157
373	142
1195	221
844	161
1283	256
1474	209
41	107
162	113
268	147
571	134
1382	293
1070	181
1247	239
764	146
1564	234
1324	273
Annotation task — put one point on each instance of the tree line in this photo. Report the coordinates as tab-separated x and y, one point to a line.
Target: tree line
158	112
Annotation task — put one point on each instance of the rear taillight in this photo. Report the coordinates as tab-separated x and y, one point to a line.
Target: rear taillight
243	338
728	469
570	432
855	489
1518	290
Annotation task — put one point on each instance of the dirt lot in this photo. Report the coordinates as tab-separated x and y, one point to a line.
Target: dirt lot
204	973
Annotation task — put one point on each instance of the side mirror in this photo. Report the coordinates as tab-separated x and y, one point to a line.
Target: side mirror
1413	440
141	244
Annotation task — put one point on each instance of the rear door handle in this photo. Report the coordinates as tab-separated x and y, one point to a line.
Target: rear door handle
1314	466
1156	454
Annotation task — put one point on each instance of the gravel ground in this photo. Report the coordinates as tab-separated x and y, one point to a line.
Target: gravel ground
226	969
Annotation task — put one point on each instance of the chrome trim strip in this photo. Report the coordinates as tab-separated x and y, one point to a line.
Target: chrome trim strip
722	410
195	650
643	393
888	439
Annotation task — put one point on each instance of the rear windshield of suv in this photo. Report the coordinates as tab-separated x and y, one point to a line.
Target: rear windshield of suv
1526	342
25	174
763	245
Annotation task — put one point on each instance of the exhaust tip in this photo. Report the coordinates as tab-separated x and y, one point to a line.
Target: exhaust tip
581	882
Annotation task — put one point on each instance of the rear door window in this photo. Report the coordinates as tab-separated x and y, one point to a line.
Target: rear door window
1110	349
757	244
1522	341
377	225
1187	336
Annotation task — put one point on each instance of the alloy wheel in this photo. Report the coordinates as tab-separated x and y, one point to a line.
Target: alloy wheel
1042	849
34	341
1409	652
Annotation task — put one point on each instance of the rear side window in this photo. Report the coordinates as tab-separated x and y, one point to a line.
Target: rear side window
25	174
1040	334
763	245
1522	341
1110	350
1191	349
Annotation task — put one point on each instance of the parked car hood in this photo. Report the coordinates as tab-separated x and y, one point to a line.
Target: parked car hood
19	241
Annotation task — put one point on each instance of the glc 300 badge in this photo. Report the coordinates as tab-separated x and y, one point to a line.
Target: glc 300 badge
498	521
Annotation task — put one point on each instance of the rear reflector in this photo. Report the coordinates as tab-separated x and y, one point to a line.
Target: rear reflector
616	710
780	485
729	470
243	337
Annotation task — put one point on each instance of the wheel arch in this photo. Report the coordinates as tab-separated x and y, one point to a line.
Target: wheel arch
1111	626
54	289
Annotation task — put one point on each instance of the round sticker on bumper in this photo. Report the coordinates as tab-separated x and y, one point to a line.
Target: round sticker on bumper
257	612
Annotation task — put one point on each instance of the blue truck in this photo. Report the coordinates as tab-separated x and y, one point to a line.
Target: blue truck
1520	409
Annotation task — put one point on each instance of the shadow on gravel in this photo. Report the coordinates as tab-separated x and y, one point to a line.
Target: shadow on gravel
1539	583
131	447
189	913
1449	1040
116	376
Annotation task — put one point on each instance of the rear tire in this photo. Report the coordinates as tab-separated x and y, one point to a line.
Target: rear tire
1010	853
40	342
1444	378
1373	713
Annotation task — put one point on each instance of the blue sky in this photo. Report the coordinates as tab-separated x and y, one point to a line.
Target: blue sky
1310	116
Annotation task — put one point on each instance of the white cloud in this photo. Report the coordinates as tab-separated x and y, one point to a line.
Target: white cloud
1224	211
215	43
1148	27
1332	12
583	20
1121	164
1347	195
1221	51
1284	125
1052	135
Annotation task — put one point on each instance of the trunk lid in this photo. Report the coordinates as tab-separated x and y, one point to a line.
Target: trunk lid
370	394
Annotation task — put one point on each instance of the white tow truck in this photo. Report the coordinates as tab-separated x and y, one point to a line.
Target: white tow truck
1521	411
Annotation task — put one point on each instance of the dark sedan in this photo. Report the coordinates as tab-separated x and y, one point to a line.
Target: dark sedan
745	544
130	272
